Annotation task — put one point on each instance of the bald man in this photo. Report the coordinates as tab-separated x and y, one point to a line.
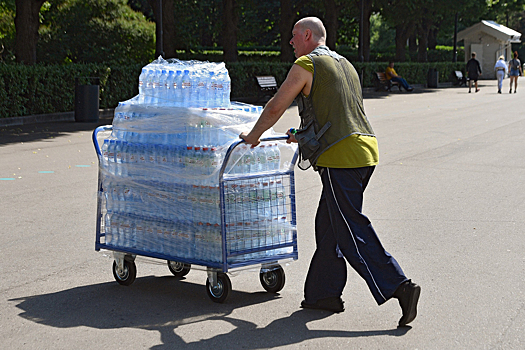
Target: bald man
337	140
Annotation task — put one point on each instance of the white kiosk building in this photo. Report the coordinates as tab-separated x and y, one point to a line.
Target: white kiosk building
489	40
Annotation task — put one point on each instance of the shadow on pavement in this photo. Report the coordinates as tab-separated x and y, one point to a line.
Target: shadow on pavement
45	131
164	303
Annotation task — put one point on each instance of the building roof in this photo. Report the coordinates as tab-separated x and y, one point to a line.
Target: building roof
492	28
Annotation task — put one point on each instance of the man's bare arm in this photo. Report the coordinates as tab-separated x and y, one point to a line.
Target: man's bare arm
298	80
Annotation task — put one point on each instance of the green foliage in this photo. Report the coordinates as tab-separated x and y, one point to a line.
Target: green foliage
243	76
414	73
7	30
41	89
95	31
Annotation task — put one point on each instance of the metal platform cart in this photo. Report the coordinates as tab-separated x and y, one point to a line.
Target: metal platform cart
247	218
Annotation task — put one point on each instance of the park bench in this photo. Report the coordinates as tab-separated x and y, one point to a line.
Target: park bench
267	85
382	83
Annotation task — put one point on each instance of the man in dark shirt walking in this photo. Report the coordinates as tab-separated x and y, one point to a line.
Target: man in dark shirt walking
473	72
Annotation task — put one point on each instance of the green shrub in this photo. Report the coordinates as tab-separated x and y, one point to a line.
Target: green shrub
40	89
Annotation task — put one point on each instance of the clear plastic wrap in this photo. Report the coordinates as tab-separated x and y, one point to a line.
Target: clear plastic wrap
160	191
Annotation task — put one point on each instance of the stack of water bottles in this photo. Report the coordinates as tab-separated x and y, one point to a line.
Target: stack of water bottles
185	84
160	172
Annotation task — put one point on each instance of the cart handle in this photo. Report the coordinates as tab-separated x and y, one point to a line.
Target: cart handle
95	141
237	143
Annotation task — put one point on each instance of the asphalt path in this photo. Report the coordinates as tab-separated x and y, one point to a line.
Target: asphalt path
447	201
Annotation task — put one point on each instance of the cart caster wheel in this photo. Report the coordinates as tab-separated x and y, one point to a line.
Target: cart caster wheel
221	291
127	275
178	269
272	281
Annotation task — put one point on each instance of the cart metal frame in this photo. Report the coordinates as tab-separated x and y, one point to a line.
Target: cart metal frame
218	284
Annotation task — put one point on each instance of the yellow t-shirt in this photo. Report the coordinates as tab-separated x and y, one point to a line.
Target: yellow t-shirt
389	71
355	151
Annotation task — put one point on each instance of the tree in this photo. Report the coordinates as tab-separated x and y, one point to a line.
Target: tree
364	28
333	9
167	30
229	33
95	31
27	24
286	23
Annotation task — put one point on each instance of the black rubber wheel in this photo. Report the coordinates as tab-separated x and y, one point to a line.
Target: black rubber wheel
221	291
179	269
273	281
128	275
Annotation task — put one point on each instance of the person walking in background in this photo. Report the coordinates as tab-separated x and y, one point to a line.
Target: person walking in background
473	71
337	140
391	74
500	68
514	71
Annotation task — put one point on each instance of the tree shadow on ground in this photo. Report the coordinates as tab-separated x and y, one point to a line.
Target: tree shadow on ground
164	303
44	131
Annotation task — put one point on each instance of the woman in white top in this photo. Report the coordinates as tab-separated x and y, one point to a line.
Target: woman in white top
500	69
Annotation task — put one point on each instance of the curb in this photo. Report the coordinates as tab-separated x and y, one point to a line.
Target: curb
49	118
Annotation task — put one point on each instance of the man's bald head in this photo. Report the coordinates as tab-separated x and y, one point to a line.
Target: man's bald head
315	25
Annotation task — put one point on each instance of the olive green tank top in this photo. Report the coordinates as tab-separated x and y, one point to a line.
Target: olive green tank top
336	98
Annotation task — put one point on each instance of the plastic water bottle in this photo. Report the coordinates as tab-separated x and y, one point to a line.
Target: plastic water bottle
216	160
226	86
105	156
212	90
198	162
170	88
276	157
201	90
111	157
148	86
156	86
219	92
247	160
142	84
127	151
186	89
107	228
161	94
177	86
261	158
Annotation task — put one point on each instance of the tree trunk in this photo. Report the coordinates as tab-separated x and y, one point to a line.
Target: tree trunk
401	39
26	25
432	38
170	28
286	24
229	34
366	29
412	43
166	36
423	31
331	17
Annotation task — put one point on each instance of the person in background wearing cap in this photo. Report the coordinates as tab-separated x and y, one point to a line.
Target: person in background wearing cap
337	140
500	67
514	71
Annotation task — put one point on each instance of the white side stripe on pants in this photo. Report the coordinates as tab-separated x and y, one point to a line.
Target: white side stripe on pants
352	234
